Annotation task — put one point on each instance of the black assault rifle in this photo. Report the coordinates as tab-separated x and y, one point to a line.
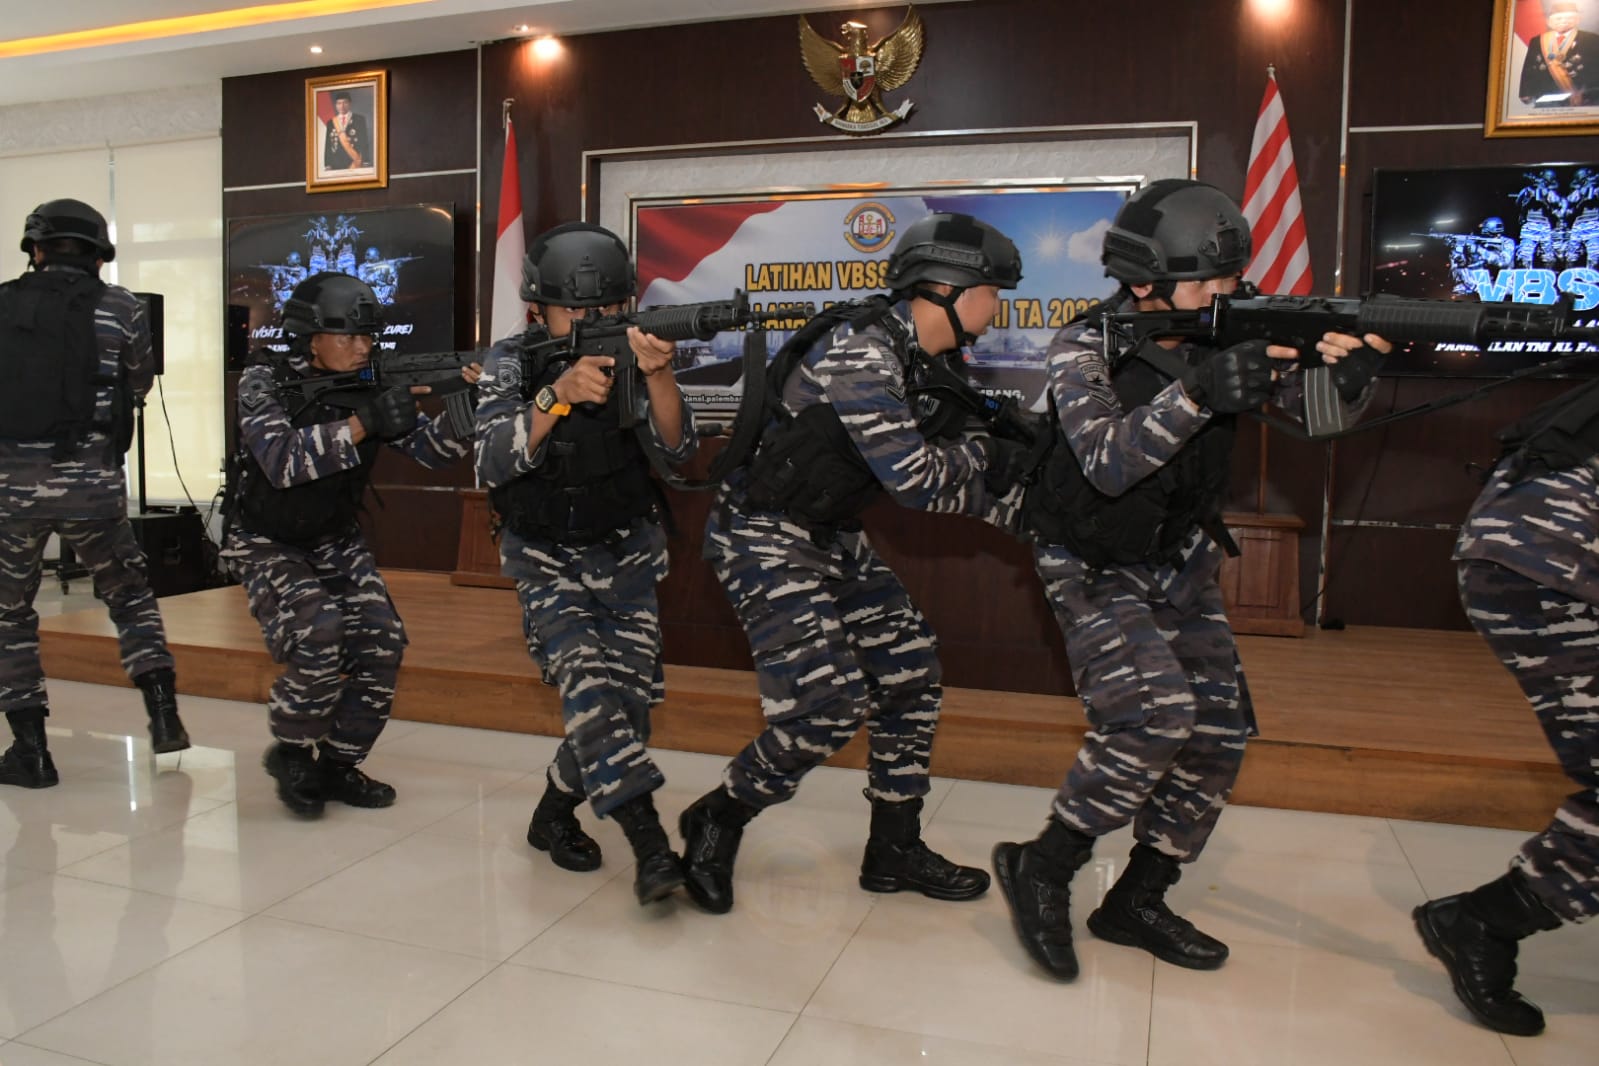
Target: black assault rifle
1300	321
440	371
933	379
607	335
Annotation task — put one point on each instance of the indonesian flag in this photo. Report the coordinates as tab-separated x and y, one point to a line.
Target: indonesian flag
1272	206
509	312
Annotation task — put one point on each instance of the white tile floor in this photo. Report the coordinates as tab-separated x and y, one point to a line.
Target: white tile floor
170	912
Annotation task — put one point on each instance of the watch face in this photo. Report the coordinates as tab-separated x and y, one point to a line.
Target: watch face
545	399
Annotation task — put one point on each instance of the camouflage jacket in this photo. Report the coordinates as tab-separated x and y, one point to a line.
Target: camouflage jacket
292	455
1544	528
863	377
89	483
1118	448
505	421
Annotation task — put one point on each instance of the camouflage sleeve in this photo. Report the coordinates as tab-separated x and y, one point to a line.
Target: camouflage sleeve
862	380
433	443
1116	448
289	455
504	419
687	446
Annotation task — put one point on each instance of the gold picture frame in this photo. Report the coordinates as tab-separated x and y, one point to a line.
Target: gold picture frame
1544	69
347	131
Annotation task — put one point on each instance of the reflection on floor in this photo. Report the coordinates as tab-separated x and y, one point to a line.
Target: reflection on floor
171	912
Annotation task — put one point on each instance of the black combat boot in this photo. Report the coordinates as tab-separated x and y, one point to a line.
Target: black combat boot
1474	935
27	762
1035	879
896	859
657	873
712	827
294	768
555	829
1134	913
161	704
344	781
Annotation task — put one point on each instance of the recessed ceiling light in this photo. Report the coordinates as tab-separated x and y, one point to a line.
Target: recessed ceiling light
523	28
316	49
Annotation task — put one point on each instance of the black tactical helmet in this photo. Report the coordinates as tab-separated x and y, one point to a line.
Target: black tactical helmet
331	303
1176	230
68	218
577	264
953	249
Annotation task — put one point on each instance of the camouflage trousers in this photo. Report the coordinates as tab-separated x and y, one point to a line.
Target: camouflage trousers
121	581
832	651
1160	688
1550	643
592	625
327	618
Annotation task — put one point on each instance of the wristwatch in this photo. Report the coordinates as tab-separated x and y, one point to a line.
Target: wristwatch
546	401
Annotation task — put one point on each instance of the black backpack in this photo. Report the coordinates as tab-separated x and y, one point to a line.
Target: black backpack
50	358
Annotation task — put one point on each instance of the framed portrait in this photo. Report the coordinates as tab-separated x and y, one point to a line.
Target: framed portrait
347	131
1544	69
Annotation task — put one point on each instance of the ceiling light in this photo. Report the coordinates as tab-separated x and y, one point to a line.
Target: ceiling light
316	49
182	25
523	28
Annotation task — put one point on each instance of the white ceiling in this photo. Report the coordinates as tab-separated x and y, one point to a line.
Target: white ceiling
428	26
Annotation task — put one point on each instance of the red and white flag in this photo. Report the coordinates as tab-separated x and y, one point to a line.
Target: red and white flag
1272	206
509	312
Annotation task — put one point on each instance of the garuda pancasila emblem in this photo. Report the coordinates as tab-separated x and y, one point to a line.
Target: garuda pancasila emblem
861	73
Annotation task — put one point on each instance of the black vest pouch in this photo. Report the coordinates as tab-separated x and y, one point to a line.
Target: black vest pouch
1558	435
809	468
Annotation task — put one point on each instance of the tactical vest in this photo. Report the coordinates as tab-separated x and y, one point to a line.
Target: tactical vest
594	480
807	466
1151	520
50	371
1557	435
302	514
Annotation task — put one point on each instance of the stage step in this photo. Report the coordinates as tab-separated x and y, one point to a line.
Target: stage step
1393	723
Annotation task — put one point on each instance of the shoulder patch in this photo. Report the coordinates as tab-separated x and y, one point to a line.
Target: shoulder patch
1096	376
253	391
508	370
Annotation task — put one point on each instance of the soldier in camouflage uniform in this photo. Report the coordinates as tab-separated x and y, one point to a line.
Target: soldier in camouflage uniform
581	535
294	541
1126	520
836	640
1529	580
74	358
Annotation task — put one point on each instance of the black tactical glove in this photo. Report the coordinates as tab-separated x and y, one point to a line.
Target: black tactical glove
1232	381
1352	373
389	415
1005	463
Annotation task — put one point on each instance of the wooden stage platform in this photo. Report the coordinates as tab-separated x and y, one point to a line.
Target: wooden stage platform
1401	723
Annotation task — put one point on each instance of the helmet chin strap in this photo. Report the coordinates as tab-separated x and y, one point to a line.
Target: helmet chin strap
946	300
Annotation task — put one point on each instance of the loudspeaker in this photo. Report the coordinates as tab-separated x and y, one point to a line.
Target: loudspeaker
236	342
174	546
155	314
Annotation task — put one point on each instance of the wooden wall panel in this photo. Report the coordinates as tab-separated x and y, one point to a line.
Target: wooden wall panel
989	65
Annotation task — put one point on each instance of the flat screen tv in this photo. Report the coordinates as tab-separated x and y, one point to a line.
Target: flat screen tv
1528	234
407	255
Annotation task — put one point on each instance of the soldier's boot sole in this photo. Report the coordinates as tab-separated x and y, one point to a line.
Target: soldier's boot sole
887	883
1107	930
